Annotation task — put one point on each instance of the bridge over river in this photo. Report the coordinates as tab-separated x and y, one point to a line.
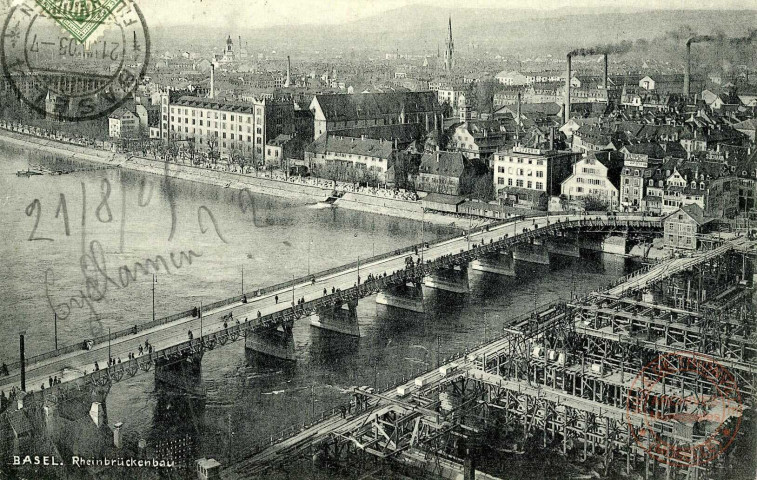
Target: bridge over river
263	319
562	378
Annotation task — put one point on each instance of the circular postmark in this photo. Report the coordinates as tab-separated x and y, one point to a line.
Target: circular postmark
684	409
77	60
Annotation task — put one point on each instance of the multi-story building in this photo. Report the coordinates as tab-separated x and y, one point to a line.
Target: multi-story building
339	111
596	175
683	226
440	172
641	160
123	123
450	94
531	172
681	190
344	155
242	128
478	139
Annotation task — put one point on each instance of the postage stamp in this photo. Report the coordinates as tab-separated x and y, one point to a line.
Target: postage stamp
75	60
689	408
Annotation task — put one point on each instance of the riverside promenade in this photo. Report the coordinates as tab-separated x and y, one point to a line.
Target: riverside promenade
261	184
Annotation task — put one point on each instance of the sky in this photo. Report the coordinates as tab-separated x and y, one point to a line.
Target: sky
243	14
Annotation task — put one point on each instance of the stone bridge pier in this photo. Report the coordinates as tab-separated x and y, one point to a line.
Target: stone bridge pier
453	279
500	263
408	296
339	317
536	252
566	246
272	344
184	374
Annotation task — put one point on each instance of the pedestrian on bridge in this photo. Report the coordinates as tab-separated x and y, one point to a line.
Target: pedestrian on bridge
324	292
140	350
225	325
50	381
5	369
333	290
276	299
97	367
189	334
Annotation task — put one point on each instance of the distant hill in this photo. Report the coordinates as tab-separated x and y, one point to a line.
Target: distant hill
420	28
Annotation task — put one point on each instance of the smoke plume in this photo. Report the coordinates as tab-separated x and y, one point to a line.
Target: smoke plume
751	37
608	49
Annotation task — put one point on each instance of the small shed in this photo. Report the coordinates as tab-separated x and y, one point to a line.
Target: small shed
441	202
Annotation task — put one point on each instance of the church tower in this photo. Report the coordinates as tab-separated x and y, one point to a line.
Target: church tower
449	61
228	54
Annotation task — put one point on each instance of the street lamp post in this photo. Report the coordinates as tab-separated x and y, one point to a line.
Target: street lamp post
22	359
154	281
423	232
55	320
242	280
358	269
200	320
109	355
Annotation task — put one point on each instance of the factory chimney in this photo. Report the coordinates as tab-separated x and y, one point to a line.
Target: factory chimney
605	77
566	108
687	71
289	72
517	111
212	80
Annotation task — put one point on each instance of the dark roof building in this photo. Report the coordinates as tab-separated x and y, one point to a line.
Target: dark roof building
339	111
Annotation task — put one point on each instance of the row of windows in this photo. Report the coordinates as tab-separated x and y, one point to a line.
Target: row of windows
520	183
186	111
590	181
520	160
521	172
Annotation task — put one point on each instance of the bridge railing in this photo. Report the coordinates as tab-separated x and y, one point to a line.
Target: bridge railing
229	301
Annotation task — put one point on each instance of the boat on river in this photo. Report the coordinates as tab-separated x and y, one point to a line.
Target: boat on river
27	173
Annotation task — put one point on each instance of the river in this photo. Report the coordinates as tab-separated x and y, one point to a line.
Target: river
51	220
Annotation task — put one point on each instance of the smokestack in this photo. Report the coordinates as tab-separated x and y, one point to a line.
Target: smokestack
289	71
517	110
605	77
212	80
687	71
567	91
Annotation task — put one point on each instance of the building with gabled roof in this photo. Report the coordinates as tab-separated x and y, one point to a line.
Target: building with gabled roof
345	155
340	111
683	226
441	171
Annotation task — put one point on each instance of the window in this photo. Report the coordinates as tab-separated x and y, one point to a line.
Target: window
510	182
519	183
539	186
529	185
500	181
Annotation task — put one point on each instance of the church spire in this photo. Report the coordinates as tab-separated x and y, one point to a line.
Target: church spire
449	61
